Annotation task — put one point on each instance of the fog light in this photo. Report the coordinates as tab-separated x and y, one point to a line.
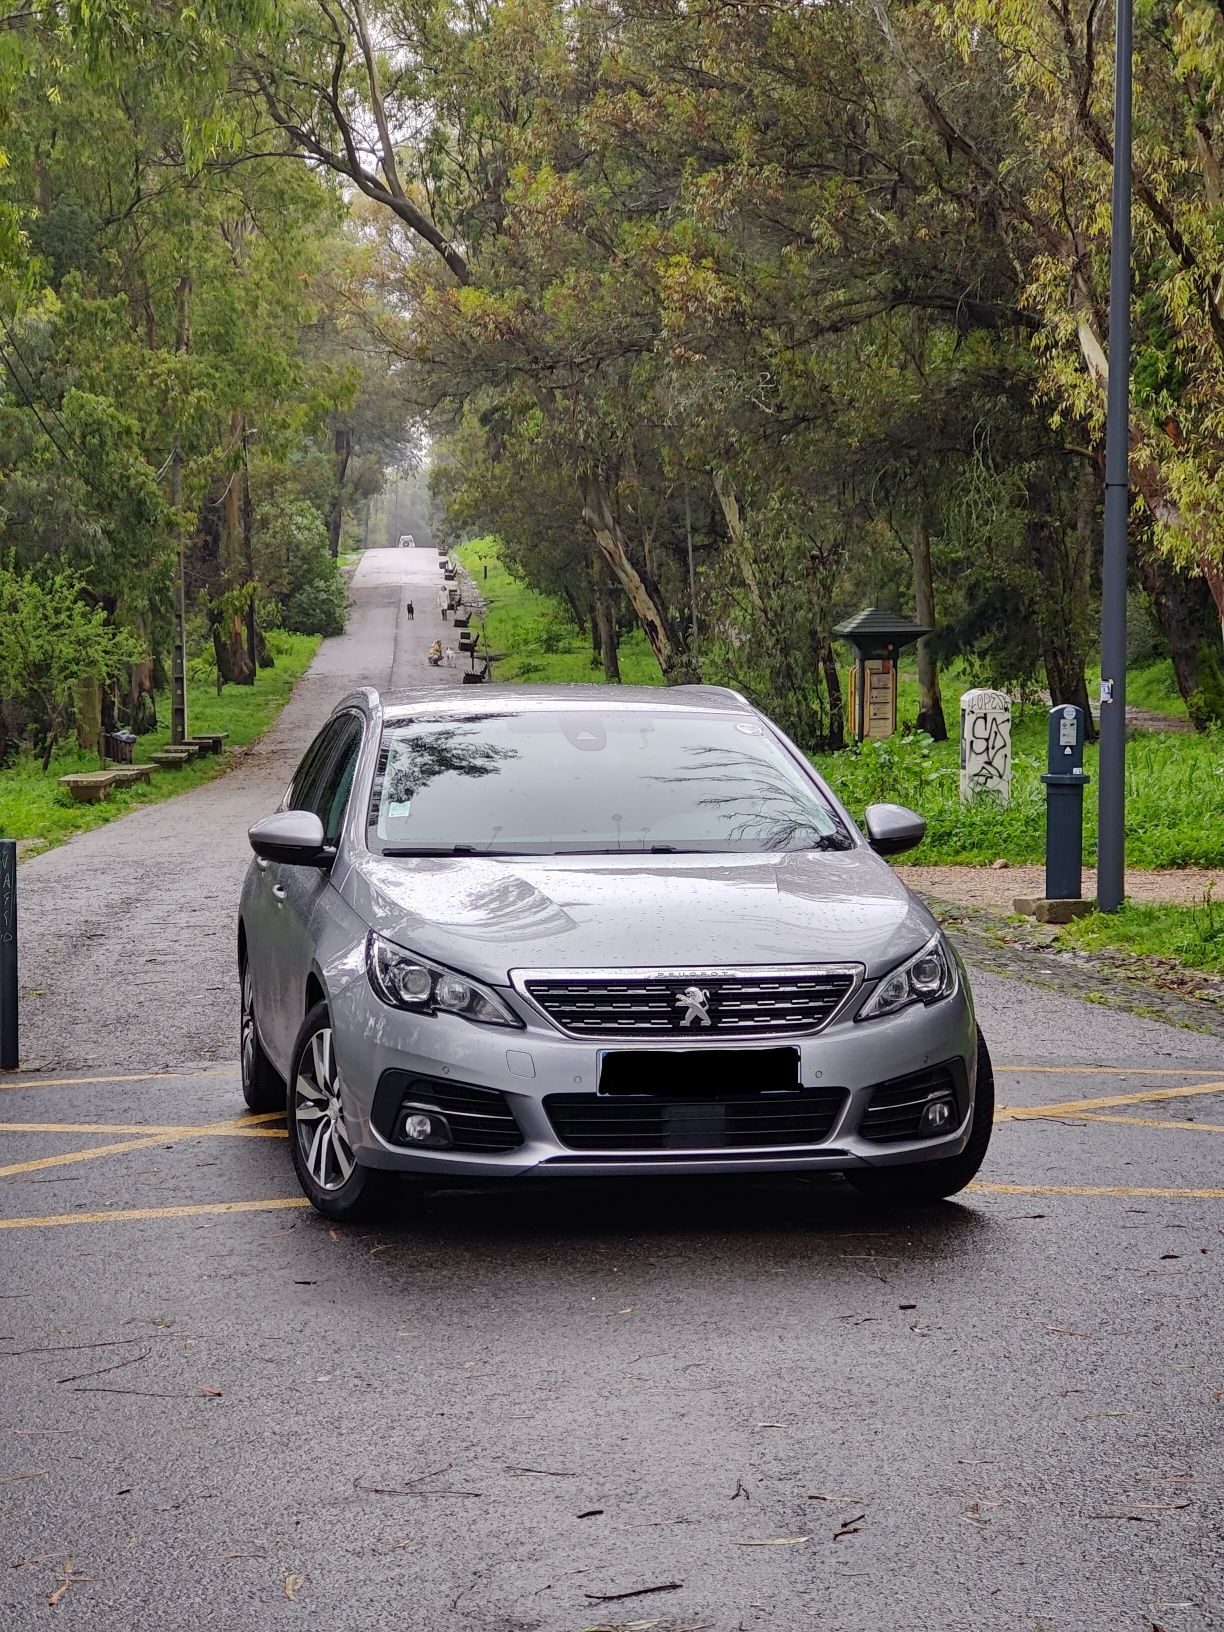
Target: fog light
937	1117
425	1128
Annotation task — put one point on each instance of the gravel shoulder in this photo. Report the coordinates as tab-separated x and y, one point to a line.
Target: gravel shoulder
126	934
997	887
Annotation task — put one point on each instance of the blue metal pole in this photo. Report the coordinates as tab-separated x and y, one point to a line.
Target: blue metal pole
1111	794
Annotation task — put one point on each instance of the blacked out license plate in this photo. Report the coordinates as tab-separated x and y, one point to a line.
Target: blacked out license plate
698	1073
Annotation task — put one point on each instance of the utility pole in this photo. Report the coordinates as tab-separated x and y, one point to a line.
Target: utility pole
178	661
1111	793
688	534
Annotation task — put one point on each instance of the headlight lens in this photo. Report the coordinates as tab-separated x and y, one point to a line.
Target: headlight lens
407	982
926	978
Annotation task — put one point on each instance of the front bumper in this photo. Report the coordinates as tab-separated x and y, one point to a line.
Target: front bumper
527	1066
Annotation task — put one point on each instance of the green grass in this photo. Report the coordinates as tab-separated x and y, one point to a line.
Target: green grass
1174	787
33	806
1175	781
540	643
1189	935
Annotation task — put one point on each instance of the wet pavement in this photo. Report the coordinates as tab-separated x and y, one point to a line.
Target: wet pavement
750	1404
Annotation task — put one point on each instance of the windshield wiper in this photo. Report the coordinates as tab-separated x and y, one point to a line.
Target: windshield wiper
449	850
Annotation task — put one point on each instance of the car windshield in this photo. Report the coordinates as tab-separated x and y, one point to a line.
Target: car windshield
558	781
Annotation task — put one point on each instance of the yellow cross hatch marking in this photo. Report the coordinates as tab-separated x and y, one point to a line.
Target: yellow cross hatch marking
131	1076
135	1214
232	1125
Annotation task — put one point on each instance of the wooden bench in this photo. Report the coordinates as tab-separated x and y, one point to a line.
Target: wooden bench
181	754
208	742
126	776
87	787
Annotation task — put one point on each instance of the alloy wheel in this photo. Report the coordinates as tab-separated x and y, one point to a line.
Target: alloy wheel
319	1116
247	1029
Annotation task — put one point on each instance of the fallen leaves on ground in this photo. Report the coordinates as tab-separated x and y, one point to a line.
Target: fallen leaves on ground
776	1541
294	1585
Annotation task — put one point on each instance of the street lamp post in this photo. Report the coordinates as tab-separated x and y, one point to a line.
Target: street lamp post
1111	790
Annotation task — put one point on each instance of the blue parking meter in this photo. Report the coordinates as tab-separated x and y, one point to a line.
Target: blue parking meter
1065	782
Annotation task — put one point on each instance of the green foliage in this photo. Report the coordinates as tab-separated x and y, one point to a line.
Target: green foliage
319	607
34	807
531	629
50	642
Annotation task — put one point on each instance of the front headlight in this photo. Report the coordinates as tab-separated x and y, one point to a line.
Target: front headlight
928	976
407	982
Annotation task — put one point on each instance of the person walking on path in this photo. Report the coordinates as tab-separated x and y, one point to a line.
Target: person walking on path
443	602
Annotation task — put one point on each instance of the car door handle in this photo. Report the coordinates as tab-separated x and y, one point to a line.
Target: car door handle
278	890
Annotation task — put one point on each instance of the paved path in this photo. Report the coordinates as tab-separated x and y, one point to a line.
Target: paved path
526	1408
998	887
127	933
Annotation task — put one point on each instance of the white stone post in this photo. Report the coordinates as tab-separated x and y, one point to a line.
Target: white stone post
985	755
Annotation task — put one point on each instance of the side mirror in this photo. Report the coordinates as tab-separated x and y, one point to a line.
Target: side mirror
292	836
892	829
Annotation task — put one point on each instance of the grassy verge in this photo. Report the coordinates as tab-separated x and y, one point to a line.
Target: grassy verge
532	630
1192	936
1174	792
33	806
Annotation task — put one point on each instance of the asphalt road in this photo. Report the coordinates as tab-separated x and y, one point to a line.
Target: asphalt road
506	1409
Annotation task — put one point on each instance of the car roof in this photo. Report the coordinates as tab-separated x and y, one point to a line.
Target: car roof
460	701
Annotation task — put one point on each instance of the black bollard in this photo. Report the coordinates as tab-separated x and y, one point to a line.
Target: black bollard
8	955
1065	782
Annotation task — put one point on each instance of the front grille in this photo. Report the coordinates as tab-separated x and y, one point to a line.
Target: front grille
742	1005
479	1118
895	1107
740	1122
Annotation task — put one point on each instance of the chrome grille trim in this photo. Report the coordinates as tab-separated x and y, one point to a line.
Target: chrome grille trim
786	1000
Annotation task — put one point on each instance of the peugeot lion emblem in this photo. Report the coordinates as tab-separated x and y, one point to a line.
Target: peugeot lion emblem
696	1006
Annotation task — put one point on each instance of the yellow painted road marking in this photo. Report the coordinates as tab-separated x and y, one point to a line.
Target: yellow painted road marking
133	1076
1105	1102
135	1214
229	1126
1094	1190
135	1127
1156	1122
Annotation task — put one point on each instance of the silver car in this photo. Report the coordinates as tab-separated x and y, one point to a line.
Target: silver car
588	931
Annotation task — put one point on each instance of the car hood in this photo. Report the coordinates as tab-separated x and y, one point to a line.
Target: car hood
488	916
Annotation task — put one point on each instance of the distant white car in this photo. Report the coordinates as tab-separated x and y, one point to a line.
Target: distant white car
407	542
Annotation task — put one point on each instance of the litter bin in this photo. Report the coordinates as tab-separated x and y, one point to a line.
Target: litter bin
118	745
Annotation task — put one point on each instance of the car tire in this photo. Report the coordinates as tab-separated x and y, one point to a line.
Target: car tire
919	1182
262	1086
334	1182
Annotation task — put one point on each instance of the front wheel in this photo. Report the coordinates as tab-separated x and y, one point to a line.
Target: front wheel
335	1183
918	1182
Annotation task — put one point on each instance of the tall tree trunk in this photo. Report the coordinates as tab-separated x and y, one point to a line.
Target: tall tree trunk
603	621
729	503
837	707
930	703
237	668
674	662
1186	612
342	445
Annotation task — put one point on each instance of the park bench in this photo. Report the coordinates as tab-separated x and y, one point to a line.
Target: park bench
208	742
126	776
169	757
87	787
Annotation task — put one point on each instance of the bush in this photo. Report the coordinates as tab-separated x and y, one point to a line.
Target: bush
317	608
